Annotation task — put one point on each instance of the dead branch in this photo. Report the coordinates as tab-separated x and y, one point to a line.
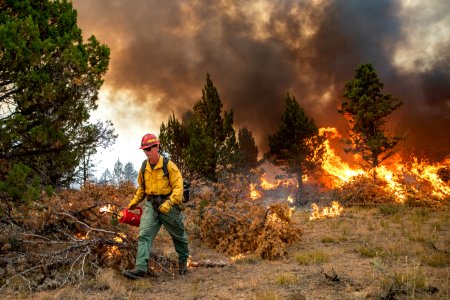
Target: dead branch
333	277
208	264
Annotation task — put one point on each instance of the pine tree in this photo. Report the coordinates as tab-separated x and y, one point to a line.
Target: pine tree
365	112
86	169
228	152
106	177
129	173
118	172
296	145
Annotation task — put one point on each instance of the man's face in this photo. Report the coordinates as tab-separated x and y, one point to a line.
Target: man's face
152	153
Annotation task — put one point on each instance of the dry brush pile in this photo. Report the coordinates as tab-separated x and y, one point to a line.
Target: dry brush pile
231	222
64	238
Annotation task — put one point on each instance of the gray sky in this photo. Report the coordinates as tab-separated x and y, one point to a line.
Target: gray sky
256	51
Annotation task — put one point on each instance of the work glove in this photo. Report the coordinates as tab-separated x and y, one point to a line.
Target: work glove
165	207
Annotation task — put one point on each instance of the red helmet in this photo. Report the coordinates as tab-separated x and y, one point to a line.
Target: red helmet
149	140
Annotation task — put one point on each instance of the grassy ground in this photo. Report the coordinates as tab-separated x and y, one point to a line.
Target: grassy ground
389	252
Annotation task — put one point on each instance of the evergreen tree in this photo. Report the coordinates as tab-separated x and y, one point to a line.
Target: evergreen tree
49	82
212	139
297	144
247	148
129	173
229	155
118	174
365	112
86	169
106	177
174	139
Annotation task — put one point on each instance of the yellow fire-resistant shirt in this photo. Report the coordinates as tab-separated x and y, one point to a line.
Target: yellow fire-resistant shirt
158	184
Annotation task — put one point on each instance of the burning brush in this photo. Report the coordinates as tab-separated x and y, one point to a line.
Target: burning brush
327	212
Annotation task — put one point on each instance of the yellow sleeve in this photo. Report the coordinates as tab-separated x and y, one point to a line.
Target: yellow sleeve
140	192
176	181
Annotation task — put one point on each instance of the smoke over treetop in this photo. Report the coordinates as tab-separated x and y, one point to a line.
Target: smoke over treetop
258	51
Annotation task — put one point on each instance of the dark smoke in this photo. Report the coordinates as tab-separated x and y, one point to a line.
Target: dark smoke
165	49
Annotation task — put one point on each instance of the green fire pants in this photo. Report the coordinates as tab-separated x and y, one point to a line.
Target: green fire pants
151	222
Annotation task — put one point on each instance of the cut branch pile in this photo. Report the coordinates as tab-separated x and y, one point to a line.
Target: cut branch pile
66	238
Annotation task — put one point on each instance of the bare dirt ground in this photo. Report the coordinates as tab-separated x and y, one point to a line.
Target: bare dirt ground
376	253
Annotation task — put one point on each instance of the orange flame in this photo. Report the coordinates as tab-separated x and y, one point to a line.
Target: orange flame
333	164
394	172
106	208
402	178
112	251
290	199
327	212
254	194
266	185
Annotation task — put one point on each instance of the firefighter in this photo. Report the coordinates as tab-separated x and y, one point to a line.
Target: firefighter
161	196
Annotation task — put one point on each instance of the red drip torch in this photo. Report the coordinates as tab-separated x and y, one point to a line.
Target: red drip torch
130	218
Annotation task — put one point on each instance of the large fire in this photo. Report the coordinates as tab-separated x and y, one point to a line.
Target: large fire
401	177
396	173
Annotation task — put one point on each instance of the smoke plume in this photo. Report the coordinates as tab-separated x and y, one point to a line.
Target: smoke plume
257	51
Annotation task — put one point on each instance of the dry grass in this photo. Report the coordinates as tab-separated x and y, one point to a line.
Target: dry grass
391	251
286	278
312	258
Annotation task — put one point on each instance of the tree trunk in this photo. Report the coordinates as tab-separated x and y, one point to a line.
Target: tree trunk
374	166
300	186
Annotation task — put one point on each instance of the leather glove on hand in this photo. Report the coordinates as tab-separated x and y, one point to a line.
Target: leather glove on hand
165	207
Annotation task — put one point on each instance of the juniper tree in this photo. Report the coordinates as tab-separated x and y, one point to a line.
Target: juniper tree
49	82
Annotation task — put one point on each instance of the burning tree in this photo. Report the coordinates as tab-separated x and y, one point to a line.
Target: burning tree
365	111
297	144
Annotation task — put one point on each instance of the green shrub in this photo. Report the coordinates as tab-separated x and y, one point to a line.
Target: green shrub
20	185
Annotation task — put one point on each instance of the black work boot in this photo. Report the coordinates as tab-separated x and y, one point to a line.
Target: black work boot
182	267
134	273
